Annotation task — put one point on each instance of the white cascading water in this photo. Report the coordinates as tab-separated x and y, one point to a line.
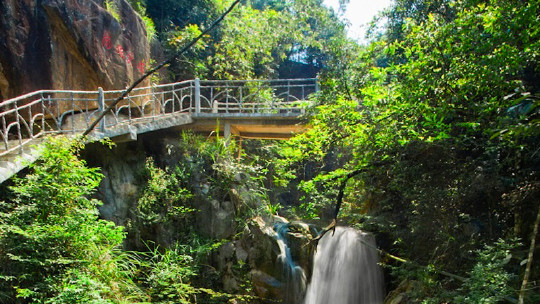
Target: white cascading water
293	275
345	270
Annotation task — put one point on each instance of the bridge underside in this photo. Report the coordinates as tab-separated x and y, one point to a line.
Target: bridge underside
249	126
254	126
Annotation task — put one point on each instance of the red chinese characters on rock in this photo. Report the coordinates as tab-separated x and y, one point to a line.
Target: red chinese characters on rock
141	66
126	55
120	51
129	57
106	41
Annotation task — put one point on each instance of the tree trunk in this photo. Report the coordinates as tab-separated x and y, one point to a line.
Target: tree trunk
529	260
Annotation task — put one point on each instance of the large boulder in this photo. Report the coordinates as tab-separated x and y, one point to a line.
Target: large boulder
216	218
69	44
276	254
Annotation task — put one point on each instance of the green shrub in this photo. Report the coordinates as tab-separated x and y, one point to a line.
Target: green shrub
164	198
112	8
167	276
52	241
488	281
140	8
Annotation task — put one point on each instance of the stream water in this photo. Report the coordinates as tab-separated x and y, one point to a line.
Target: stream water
345	270
293	275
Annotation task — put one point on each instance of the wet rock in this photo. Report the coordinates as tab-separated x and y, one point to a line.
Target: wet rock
241	254
263	248
265	286
298	239
400	294
229	280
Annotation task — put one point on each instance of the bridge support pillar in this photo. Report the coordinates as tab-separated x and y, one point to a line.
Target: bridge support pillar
227	132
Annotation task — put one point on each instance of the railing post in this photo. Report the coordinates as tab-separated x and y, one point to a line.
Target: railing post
101	108
226	97
4	132
73	129
227	133
173	94
197	95
153	102
19	134
240	110
288	90
317	89
43	112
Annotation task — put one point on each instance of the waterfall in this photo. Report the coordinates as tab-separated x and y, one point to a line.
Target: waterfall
293	275
345	270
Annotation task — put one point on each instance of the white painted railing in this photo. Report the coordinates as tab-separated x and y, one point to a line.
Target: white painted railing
45	112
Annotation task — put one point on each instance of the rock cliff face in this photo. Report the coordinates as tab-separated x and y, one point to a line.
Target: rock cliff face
69	44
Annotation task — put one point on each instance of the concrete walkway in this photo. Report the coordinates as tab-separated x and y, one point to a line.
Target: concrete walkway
261	109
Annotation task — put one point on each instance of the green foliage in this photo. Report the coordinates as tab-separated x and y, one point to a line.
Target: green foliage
439	117
216	159
170	14
169	272
54	249
79	287
149	26
452	84
112	8
53	246
340	122
182	37
164	198
418	10
140	8
440	120
458	72
274	208
488	281
167	276
338	133
247	48
303	32
177	38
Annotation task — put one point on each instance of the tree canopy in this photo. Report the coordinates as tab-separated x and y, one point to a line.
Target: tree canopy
428	137
440	116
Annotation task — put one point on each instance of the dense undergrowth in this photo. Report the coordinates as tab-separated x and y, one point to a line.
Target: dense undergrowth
55	249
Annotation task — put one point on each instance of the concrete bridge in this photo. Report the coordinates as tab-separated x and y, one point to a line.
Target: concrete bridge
265	109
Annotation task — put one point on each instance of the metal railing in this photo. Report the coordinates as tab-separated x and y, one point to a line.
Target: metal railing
46	112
